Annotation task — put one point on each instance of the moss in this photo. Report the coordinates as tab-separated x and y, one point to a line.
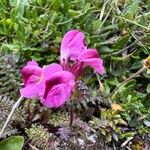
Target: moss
39	136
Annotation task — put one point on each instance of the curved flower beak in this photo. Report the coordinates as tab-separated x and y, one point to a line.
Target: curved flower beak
71	46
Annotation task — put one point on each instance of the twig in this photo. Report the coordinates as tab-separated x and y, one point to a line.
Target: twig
104	20
128	148
126	48
101	87
33	147
71	116
128	79
10	115
134	36
143	15
114	146
135	23
126	142
1	39
102	11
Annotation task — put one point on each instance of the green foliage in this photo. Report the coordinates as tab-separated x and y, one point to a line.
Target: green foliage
58	119
39	136
9	76
119	30
9	92
12	143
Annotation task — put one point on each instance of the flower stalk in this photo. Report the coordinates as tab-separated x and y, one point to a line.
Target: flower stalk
10	115
71	116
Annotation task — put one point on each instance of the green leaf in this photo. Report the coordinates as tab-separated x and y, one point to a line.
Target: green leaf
12	143
121	43
96	25
132	10
20	6
126	135
148	88
146	102
127	89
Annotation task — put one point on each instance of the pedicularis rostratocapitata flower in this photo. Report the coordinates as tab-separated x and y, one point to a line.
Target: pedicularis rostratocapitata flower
55	83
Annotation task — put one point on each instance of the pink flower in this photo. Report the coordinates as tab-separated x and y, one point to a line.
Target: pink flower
88	57
55	83
58	89
34	77
72	45
73	48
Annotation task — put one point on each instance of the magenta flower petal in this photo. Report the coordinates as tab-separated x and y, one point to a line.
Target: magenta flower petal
31	70
31	75
68	37
88	53
34	78
58	89
50	69
32	63
95	63
58	95
31	90
72	44
89	57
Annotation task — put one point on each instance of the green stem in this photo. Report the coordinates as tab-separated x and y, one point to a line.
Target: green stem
128	79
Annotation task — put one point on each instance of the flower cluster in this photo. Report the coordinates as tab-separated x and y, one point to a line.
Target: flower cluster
54	83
